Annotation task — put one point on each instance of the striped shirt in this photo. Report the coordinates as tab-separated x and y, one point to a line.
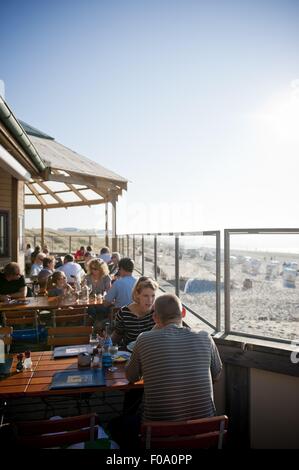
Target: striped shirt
129	326
177	365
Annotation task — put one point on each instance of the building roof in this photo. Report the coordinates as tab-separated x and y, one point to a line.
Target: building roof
79	180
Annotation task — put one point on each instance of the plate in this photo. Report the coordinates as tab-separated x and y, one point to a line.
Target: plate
121	356
131	345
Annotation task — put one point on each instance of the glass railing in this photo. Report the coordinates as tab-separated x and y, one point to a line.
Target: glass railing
250	288
186	264
262	283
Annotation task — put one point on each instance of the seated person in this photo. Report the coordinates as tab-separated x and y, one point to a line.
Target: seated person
73	271
90	251
105	254
57	285
34	253
28	254
47	271
136	317
80	253
37	265
87	257
120	293
99	282
98	279
12	283
46	250
113	265
187	360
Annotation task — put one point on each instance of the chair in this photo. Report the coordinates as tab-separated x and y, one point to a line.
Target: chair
64	336
6	336
27	317
77	315
198	433
57	433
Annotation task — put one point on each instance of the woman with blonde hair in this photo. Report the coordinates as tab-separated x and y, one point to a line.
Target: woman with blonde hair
137	317
98	279
99	282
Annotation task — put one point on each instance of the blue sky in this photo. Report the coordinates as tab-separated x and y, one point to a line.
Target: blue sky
195	103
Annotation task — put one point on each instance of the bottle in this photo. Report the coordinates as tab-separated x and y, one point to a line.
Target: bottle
20	362
106	355
85	292
96	358
93	338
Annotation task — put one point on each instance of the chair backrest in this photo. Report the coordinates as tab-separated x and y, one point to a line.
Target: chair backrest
70	315
5	334
27	317
198	433
57	433
64	336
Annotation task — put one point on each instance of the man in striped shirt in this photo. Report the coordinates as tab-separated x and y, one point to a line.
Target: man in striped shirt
178	366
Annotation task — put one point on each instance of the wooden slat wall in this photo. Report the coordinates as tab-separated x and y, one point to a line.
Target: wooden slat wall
12	200
5	201
5	190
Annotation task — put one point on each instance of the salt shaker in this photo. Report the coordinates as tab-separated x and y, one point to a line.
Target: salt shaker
28	361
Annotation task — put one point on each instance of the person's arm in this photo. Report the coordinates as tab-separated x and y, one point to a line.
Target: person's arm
119	328
107	283
111	295
216	364
116	337
133	369
22	292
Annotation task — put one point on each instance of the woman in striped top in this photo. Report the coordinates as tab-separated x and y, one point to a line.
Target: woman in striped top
137	317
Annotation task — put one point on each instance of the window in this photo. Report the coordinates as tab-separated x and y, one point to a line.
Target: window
4	246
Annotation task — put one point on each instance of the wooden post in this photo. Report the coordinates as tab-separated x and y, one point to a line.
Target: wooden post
106	225
114	237
42	235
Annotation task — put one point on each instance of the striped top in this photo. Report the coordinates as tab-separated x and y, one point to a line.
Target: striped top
129	326
177	365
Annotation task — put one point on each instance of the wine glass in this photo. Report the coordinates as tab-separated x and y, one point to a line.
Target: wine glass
36	291
113	349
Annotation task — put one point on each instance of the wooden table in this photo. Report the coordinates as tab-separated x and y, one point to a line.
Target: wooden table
36	382
47	303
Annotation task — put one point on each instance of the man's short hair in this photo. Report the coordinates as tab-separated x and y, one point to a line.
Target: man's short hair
11	269
168	307
68	258
104	250
47	261
127	264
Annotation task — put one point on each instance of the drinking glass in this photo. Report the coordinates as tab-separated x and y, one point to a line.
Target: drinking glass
113	349
36	290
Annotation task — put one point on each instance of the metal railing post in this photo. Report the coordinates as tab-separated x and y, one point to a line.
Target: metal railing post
134	248
155	258
142	257
70	244
227	323
177	267
128	245
218	281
